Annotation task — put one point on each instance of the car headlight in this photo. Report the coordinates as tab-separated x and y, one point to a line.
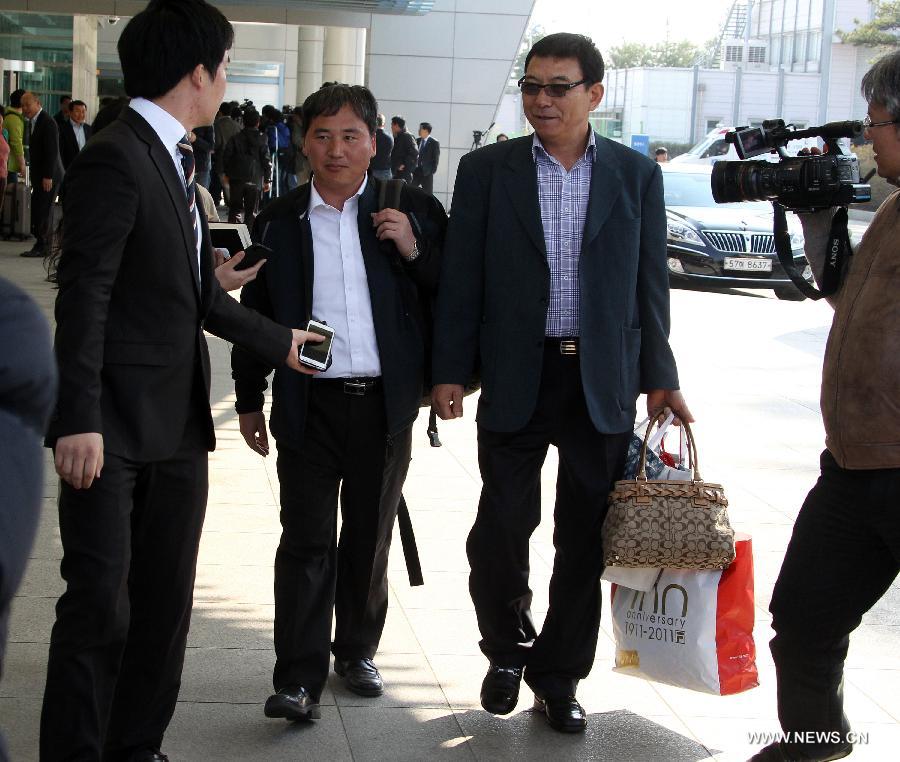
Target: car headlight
682	233
797	239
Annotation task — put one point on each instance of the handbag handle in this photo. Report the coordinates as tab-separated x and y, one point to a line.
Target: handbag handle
692	452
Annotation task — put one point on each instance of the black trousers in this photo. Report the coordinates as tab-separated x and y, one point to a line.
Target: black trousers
117	649
510	510
243	202
425	182
346	452
41	201
843	555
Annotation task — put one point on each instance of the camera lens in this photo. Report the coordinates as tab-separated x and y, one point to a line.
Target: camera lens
743	181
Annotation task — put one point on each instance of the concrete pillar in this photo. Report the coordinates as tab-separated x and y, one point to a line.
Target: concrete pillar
345	55
84	62
310	53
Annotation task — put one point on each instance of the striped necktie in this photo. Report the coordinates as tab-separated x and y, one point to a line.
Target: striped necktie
187	164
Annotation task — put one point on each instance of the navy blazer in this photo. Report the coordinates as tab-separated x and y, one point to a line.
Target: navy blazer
495	286
284	290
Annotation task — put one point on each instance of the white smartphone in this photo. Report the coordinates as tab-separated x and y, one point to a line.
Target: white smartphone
317	355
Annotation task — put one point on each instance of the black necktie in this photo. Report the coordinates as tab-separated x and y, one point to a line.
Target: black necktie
190	186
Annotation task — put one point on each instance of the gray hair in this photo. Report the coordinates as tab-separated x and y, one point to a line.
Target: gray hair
881	83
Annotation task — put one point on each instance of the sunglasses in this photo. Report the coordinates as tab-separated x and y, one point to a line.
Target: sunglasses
554	89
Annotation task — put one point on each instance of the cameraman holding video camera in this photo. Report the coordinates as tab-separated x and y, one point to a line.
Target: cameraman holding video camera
845	549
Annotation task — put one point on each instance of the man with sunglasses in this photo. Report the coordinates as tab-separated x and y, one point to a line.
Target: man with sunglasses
844	553
555	281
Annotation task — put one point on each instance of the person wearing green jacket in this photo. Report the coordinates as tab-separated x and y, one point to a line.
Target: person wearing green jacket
15	125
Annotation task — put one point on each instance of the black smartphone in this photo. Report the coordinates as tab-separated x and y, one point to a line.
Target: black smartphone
252	254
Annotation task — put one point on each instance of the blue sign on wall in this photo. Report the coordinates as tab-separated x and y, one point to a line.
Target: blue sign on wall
641	143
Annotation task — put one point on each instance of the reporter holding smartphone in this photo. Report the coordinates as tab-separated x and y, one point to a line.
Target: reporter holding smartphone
362	272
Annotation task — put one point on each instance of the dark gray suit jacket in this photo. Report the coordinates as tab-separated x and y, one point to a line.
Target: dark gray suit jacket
495	285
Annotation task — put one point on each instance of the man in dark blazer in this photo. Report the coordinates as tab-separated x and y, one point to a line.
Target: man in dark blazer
27	394
404	152
46	169
380	166
132	428
427	160
75	133
339	259
555	281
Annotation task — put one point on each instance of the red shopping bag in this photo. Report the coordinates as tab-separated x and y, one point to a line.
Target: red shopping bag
693	629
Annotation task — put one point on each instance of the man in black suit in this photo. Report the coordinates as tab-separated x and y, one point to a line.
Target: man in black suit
427	160
27	393
380	166
555	278
62	116
46	169
132	428
404	153
348	430
74	134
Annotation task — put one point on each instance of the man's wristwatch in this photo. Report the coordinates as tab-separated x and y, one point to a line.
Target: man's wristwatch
415	253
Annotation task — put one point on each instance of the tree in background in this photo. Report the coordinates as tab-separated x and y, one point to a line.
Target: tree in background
534	34
678	54
883	31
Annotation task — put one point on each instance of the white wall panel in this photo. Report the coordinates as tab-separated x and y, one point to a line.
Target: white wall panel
480	35
430	35
410	78
479	81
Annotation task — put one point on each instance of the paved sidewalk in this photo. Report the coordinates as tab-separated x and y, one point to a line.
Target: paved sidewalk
750	369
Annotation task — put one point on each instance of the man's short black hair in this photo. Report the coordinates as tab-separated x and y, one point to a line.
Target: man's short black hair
251	119
329	99
15	98
167	40
425	126
660	150
73	104
399	121
63	98
568	45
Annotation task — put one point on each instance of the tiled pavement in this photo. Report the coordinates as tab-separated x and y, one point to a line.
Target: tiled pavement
750	368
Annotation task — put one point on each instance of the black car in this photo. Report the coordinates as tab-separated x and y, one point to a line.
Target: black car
728	245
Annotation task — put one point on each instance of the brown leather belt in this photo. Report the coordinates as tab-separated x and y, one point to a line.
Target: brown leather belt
565	346
358	387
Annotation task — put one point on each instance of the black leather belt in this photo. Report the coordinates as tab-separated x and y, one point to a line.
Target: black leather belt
358	387
565	346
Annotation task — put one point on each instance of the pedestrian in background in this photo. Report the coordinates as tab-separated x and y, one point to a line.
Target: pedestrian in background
404	152
248	170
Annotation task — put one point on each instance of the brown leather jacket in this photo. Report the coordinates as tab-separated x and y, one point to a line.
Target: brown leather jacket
861	375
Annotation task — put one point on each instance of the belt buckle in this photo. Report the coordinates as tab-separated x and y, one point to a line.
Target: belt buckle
568	347
356	388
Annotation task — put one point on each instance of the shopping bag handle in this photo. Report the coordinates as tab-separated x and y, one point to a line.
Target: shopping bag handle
692	453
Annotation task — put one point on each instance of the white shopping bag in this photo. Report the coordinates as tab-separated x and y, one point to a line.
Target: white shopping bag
693	629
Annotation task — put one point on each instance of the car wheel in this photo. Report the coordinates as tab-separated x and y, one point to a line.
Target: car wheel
789	294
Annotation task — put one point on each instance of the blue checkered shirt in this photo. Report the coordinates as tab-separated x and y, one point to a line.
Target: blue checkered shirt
564	199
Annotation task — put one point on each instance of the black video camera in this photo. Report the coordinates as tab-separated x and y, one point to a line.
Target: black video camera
799	183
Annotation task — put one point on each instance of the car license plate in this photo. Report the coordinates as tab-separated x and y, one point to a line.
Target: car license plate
748	265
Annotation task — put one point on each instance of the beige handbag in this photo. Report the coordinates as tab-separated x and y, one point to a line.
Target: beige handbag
668	524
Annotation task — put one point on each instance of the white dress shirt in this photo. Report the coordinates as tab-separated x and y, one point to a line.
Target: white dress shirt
79	134
171	132
341	289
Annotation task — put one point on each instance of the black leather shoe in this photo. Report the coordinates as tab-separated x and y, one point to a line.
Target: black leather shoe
32	253
360	676
293	703
774	752
564	714
500	689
